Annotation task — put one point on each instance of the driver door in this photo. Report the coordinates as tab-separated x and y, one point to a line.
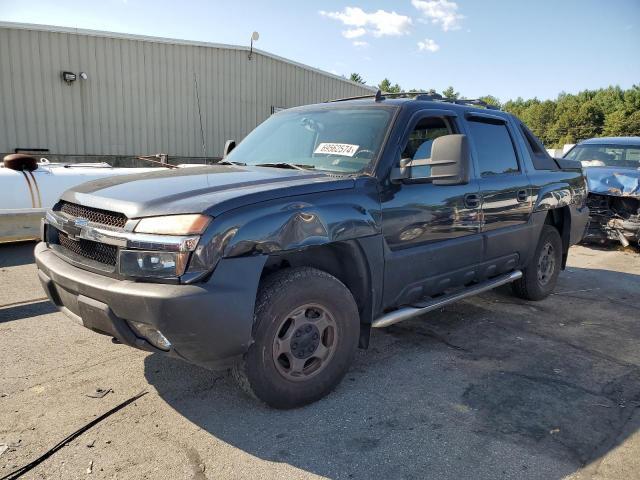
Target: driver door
431	232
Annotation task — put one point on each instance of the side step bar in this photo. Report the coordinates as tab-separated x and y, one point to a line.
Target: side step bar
409	312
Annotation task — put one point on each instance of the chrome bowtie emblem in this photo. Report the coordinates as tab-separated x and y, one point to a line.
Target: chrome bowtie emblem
81	222
73	230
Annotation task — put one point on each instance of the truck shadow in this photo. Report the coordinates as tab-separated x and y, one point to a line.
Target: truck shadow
20	311
16	254
490	387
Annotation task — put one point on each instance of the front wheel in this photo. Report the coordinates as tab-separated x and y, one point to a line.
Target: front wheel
305	336
540	276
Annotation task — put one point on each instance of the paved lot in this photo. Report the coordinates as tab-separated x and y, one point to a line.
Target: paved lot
492	387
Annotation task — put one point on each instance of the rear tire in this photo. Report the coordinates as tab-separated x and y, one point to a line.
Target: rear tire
305	336
540	276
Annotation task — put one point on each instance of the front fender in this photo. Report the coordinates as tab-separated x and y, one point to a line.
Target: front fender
292	223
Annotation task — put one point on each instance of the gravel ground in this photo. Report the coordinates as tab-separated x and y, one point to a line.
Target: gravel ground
491	387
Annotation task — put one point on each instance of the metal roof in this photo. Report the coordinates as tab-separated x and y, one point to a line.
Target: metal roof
173	41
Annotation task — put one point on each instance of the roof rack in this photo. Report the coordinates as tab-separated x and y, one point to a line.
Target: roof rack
476	102
424	96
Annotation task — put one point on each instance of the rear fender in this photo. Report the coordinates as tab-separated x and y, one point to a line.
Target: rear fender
554	195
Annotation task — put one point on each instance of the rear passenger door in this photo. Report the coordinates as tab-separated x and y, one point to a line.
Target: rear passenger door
505	188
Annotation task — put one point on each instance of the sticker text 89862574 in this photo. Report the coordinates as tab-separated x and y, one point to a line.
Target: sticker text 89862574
343	149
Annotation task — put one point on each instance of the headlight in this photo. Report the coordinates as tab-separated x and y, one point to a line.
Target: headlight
191	224
141	263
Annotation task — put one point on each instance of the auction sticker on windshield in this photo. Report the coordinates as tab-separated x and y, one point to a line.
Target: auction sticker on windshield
344	149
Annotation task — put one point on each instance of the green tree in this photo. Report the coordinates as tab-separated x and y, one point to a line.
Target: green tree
568	118
609	99
631	98
356	77
590	120
622	123
451	93
625	121
385	86
578	118
491	100
515	107
539	116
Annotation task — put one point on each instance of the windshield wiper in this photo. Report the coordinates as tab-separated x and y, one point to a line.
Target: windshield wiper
294	166
228	162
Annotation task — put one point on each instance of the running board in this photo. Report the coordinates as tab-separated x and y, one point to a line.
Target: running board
410	312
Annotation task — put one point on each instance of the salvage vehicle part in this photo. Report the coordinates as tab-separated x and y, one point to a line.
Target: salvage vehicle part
612	169
613	218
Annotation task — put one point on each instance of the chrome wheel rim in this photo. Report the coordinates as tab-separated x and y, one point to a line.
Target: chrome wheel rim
305	342
546	264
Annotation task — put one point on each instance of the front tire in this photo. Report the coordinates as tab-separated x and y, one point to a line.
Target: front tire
540	276
305	336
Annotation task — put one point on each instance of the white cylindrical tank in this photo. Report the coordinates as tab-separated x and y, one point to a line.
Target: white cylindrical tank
26	195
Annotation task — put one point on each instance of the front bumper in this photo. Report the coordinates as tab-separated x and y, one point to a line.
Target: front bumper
208	324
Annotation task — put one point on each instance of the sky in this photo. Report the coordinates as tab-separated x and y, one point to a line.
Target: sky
503	48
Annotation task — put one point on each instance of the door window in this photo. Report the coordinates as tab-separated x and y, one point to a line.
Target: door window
494	147
421	140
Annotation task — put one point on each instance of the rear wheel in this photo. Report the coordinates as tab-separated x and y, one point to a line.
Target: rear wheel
541	274
305	336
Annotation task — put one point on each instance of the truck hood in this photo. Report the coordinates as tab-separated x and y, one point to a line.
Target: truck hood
211	189
615	181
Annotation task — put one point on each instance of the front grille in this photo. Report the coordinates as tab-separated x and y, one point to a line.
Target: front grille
99	252
94	215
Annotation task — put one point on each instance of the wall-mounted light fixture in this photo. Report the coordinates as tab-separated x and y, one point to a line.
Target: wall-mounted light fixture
69	77
254	38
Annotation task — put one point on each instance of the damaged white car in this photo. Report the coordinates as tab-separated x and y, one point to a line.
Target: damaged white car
612	169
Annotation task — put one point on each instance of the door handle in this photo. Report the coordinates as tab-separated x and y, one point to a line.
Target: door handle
522	196
472	200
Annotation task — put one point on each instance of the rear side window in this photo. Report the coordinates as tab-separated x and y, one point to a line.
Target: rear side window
494	147
539	156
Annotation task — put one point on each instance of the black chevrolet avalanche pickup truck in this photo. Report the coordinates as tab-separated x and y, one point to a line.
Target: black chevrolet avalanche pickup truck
326	221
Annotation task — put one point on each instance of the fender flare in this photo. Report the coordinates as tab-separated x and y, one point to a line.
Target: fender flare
554	195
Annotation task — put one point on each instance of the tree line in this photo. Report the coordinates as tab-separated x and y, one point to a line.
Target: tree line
569	118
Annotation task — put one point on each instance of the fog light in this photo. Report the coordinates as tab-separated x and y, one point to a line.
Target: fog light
140	263
151	335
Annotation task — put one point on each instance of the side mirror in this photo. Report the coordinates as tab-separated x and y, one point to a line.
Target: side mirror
450	160
450	163
228	146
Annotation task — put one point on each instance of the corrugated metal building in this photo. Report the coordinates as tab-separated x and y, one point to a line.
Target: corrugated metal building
140	95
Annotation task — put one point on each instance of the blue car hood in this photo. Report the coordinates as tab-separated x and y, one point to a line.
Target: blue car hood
615	181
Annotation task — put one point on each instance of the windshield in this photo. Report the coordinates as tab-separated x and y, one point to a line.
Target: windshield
624	156
342	140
